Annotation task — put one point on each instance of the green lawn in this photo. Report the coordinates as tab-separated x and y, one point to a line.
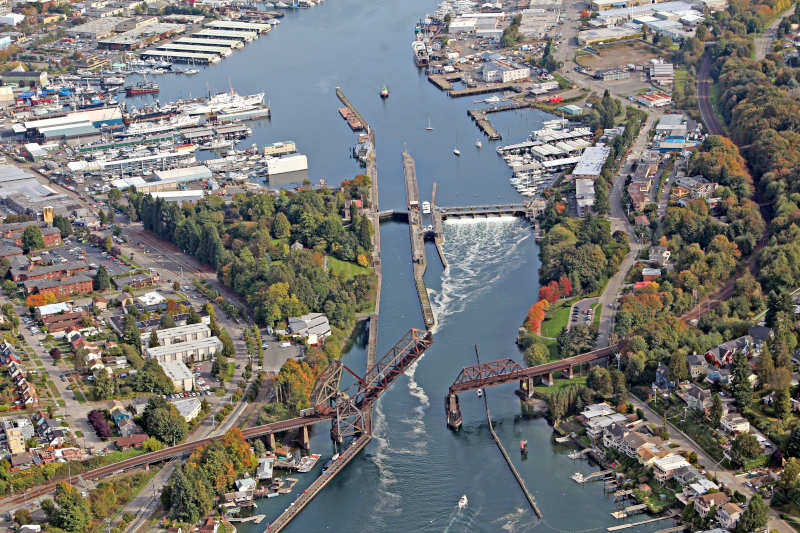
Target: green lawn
597	313
561	384
557	317
349	270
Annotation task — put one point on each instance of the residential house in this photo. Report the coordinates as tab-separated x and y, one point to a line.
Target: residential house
15	440
99	303
613	435
728	515
659	255
666	467
758	336
662	381
703	504
695	187
209	526
699	487
597	425
719	375
127	427
697	398
722	355
131	441
686	475
20	461
698	366
651	274
735	423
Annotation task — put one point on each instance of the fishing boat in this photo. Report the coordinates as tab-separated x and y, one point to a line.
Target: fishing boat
456	151
462	501
384	92
143	87
478	144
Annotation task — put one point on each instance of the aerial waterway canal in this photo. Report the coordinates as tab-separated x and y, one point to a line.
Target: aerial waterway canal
411	475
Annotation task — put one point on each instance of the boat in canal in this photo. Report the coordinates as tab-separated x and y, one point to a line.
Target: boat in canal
384	92
308	462
420	53
456	151
463	501
143	87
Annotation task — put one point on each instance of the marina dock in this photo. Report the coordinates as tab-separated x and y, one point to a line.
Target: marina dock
503	451
631	509
580	478
418	259
318	484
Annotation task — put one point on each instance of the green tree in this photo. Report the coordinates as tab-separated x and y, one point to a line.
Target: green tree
104	385
765	366
793	447
194	317
131	332
108	244
163	421
678	367
562	341
187	495
22	517
166	321
789	477
102	280
537	354
745	447
619	386
754	518
153	339
259	448
281	229
600	381
32	239
716	410
64	226
71	512
742	390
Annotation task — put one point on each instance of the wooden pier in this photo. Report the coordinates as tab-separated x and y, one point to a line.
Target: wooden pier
483	89
623	493
479	116
418	259
580	478
318	484
631	509
528	495
635	524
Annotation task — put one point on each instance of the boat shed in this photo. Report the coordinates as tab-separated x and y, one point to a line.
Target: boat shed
195	48
227	34
184	57
238	26
217	43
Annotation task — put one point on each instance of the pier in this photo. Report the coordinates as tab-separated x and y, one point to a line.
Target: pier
480	116
580	478
635	524
484	89
418	259
503	451
443	81
631	509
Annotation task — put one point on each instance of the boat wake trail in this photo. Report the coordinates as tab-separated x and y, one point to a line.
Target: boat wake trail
388	501
416	421
479	253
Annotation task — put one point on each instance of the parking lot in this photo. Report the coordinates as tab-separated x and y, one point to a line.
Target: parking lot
93	255
582	312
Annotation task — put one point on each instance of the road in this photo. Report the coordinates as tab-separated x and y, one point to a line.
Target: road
764	41
619	221
725	477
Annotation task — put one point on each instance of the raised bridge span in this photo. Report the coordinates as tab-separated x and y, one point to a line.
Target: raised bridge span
493	373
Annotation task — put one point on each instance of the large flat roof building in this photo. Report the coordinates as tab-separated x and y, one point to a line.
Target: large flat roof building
199	350
180	375
592	161
187	333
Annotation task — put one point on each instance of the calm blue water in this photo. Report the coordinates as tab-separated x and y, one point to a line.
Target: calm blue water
413	472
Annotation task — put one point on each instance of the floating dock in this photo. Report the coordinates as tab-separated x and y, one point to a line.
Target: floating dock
418	259
480	116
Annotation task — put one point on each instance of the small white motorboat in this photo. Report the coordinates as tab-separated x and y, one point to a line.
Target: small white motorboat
478	144
456	151
479	392
462	501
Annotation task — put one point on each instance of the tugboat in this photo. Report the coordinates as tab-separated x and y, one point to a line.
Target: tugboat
384	92
143	87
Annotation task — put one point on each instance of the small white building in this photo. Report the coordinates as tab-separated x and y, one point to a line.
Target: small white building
735	423
495	71
312	326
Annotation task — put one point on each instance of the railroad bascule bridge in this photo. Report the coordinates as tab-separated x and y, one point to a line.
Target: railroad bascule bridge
484	375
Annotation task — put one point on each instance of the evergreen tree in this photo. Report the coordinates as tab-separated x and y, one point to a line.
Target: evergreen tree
600	381
562	342
102	280
166	321
153	339
742	391
678	367
194	317
64	226
716	410
793	447
281	229
131	332
765	367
